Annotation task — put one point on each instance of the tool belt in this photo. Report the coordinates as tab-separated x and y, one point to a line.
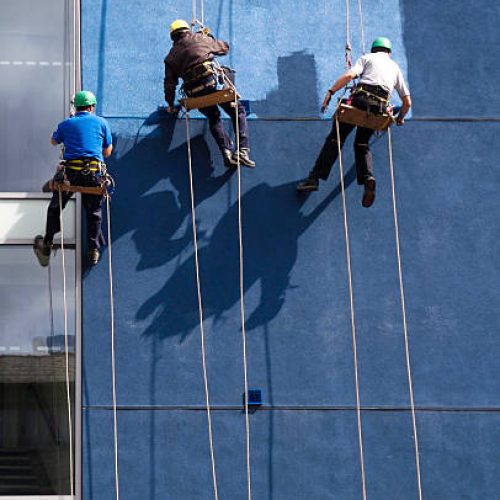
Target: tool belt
85	165
374	91
372	98
200	77
207	75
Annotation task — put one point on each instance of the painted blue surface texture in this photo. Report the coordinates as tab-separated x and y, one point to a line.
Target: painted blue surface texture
304	440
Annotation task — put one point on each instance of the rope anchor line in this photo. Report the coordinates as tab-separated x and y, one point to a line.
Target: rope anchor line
200	309
242	303
353	319
66	351
113	348
403	312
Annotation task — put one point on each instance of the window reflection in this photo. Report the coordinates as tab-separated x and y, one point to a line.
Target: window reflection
35	82
34	425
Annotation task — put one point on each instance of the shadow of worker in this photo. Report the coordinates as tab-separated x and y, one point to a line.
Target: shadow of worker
152	199
272	225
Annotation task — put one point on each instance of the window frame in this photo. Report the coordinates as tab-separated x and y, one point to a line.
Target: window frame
77	414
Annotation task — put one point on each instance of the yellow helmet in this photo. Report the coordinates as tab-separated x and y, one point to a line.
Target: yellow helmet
178	24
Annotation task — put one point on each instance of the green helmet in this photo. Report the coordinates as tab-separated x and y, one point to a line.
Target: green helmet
383	43
84	98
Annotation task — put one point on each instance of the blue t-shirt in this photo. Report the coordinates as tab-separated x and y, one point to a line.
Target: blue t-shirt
84	135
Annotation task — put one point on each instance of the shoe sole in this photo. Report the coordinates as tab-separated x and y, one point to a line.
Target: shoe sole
248	165
369	194
243	162
43	260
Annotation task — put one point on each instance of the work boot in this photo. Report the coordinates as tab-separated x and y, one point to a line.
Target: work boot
93	256
369	193
227	155
244	158
42	250
308	184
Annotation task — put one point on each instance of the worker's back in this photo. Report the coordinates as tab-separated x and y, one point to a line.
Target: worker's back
83	136
378	68
192	49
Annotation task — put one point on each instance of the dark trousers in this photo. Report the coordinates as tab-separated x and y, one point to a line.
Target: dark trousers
217	126
329	152
92	205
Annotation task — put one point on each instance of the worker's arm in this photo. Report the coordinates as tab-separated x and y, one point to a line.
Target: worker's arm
169	85
106	152
218	47
347	77
400	119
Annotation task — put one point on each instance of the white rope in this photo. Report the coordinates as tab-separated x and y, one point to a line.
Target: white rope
200	308
353	322
242	300
361	23
347	25
66	350
403	310
74	47
113	350
194	16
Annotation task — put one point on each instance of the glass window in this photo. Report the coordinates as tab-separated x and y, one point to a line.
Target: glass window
36	78
34	425
22	219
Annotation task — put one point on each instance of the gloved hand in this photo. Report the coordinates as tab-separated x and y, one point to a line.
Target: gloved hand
326	101
400	120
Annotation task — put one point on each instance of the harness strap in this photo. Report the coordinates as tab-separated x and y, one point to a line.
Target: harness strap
198	71
79	169
361	89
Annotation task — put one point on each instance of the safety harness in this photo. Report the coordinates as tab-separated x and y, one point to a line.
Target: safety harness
200	77
205	75
84	165
373	98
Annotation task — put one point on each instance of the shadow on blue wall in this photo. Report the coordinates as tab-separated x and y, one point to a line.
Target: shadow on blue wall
272	218
151	161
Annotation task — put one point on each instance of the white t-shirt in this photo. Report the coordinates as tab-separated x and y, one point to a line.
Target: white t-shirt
379	69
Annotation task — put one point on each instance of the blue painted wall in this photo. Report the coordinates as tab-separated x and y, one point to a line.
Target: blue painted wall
304	439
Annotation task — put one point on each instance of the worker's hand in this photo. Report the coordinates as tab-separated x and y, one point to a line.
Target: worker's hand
326	101
400	121
173	110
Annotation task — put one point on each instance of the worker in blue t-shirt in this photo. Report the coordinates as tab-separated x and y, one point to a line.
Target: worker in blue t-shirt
87	141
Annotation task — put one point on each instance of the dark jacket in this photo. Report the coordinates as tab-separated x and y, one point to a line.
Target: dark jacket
187	51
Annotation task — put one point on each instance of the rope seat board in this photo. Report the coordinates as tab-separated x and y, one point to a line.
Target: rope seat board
362	118
59	186
217	97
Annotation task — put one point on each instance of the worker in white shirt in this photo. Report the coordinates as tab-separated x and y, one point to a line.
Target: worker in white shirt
378	76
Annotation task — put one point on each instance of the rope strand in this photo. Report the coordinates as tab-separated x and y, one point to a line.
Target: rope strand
360	10
113	349
66	350
353	322
403	311
200	309
348	49
242	300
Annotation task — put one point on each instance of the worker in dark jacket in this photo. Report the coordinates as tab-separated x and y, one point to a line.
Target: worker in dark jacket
190	59
87	141
378	76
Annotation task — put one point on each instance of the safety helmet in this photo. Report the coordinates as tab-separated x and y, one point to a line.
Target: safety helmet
178	24
84	98
383	43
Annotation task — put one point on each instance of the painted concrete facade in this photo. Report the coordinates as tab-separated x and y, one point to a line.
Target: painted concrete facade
304	439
